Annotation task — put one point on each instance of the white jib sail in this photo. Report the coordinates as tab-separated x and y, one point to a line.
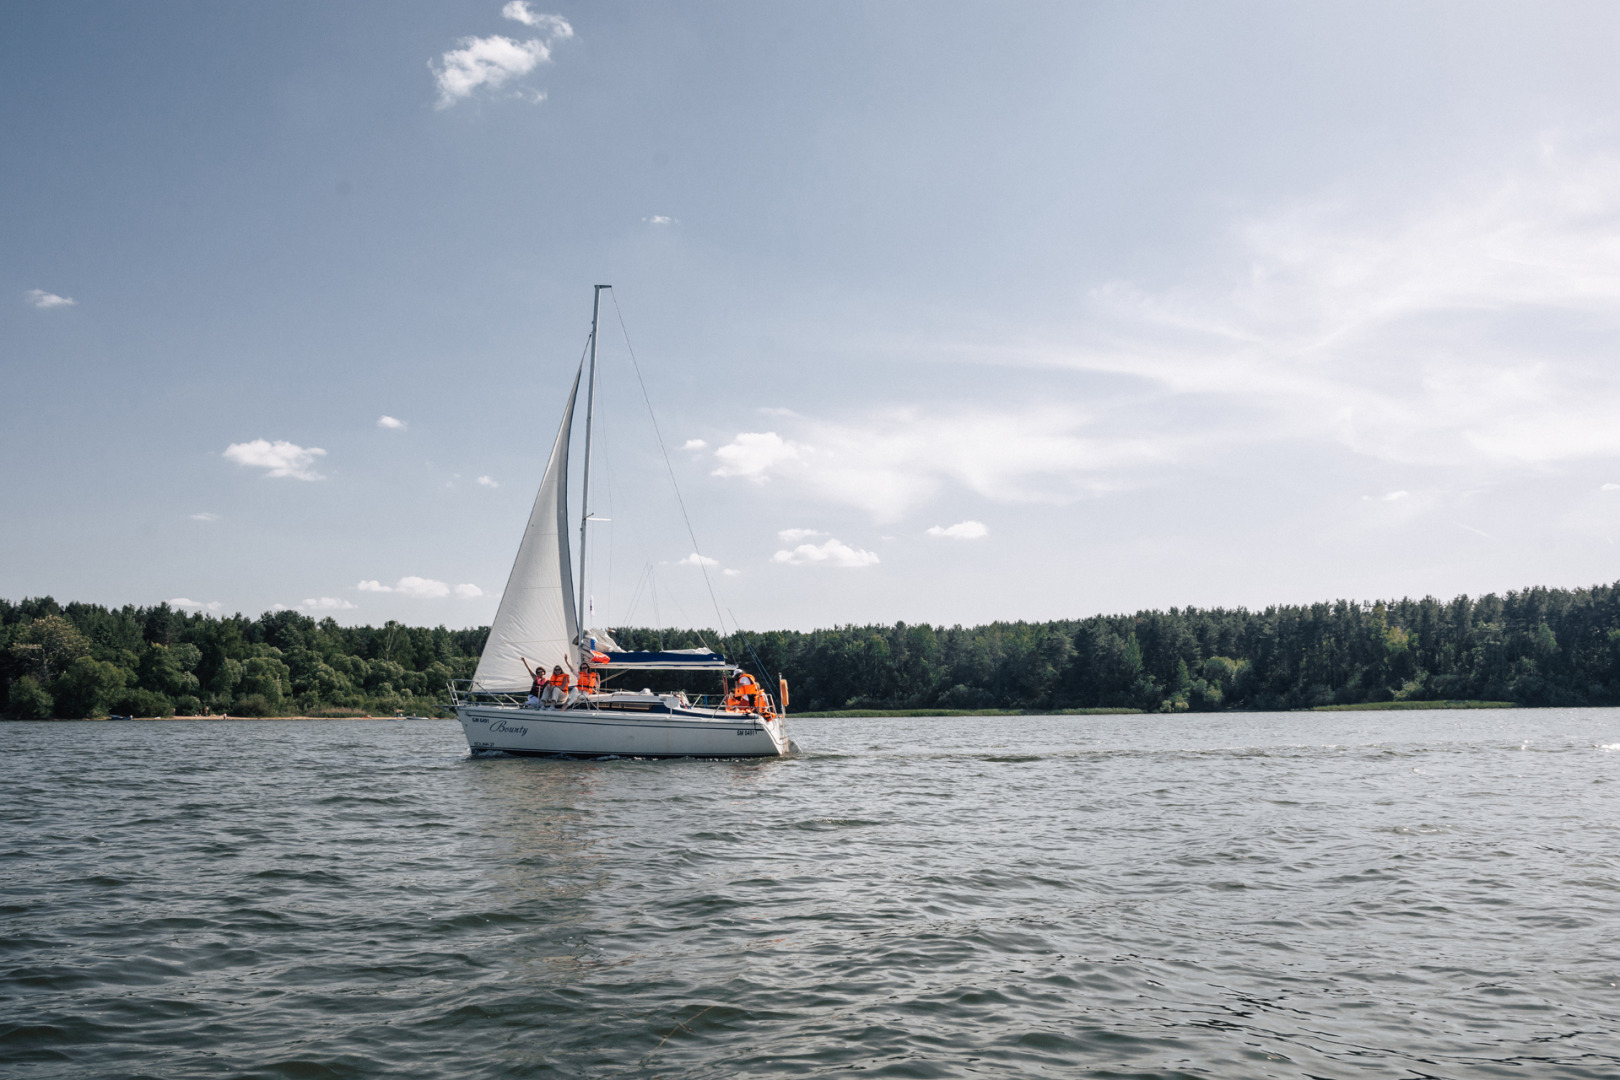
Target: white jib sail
536	620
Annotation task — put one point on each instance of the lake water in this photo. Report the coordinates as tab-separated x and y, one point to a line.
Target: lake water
1243	895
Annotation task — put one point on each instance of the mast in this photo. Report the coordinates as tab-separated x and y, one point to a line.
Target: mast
585	490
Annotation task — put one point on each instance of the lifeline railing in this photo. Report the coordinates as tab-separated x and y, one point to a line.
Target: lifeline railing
462	693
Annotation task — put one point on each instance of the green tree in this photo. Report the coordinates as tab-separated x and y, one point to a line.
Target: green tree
47	645
88	687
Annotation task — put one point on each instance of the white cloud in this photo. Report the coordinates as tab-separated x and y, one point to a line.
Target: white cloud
486	481
832	553
326	603
1404	338
890	462
206	515
198	605
1611	487
390	423
754	455
468	592
793	536
695	559
1473	329
555	25
731	573
962	530
1394	496
491	62
659	219
693	444
420	588
281	458
42	299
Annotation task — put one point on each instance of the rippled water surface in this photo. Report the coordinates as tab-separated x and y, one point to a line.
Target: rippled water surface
1241	895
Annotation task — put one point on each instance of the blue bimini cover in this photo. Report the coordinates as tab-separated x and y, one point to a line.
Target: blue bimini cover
672	659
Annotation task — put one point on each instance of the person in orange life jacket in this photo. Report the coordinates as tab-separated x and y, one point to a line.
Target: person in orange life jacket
747	696
588	680
557	687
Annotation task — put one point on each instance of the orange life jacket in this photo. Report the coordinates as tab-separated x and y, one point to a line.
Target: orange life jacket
560	680
588	681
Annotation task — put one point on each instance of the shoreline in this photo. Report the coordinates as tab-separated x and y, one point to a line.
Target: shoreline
883	714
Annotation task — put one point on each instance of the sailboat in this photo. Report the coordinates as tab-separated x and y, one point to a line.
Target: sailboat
537	629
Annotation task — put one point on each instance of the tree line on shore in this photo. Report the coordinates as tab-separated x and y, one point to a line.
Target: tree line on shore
1538	646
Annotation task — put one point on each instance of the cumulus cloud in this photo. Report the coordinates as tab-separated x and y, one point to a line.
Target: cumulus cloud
418	588
468	592
42	299
755	455
326	603
391	423
693	444
196	605
489	63
695	559
793	536
206	515
279	458
486	481
962	530
832	553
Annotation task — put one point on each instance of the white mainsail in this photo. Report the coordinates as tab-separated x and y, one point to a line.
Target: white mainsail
536	620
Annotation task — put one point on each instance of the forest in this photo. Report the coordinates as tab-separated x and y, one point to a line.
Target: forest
1539	646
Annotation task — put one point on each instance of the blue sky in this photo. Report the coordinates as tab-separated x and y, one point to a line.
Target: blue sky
950	313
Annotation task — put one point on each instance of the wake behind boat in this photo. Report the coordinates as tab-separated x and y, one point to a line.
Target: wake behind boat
511	705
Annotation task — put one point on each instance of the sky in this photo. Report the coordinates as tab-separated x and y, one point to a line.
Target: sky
946	313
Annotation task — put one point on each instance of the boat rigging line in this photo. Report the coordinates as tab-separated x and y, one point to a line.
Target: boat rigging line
696	550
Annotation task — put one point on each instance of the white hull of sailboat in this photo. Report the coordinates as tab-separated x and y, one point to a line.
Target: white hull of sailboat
626	731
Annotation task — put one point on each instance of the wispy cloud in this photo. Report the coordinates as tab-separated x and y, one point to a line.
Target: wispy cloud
888	463
195	605
391	423
793	536
489	63
327	603
42	299
831	553
962	530
206	515
279	458
1472	329
1400	337
659	219
487	481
